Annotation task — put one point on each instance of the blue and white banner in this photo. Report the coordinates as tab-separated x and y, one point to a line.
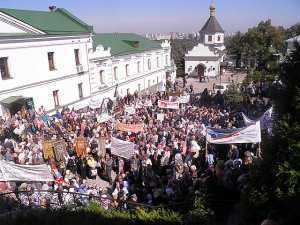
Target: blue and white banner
248	134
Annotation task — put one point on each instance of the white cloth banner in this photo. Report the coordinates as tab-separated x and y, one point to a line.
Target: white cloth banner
249	134
103	118
10	171
124	149
168	104
184	99
130	110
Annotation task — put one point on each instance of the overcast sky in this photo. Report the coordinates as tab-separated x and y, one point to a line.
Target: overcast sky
149	16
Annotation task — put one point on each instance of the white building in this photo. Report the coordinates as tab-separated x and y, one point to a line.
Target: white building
291	46
53	59
204	60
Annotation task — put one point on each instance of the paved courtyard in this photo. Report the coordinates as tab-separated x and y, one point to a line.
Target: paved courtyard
225	78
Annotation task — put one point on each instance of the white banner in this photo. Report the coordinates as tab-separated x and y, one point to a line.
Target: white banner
168	104
124	149
184	99
148	103
103	118
249	134
160	116
10	171
95	103
130	110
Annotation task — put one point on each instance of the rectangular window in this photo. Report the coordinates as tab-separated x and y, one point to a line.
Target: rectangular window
56	98
219	38
80	92
127	70
115	73
139	87
209	38
51	61
101	77
157	62
138	66
167	60
149	64
4	68
77	60
149	83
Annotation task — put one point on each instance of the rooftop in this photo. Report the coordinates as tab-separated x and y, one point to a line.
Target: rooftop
125	43
59	21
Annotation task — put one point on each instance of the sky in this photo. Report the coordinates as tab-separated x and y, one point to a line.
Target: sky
164	16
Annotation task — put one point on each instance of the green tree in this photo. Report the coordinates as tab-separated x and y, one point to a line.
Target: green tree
179	48
275	183
293	31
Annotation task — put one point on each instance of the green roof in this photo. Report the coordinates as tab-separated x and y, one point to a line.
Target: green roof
59	21
125	43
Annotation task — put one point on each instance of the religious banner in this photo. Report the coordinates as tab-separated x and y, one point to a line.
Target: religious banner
48	149
130	127
80	146
60	150
160	116
124	149
249	134
130	110
168	104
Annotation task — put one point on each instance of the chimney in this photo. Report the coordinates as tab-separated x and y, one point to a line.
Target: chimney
52	8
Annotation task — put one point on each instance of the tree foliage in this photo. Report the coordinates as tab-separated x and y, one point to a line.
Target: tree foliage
257	46
179	48
275	183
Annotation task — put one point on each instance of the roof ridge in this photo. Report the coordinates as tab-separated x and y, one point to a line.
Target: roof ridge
27	10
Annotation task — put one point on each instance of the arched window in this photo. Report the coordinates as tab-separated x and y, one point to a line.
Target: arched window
157	62
149	64
115	73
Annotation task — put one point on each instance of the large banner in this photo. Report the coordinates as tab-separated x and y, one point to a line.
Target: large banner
130	127
168	104
10	171
249	134
124	149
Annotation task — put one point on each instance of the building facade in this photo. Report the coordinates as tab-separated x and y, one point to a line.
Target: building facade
53	59
205	59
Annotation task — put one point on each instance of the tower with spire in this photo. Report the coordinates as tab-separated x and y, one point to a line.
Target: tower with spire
212	33
205	59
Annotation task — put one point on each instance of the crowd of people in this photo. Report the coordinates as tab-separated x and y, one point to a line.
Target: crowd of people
170	163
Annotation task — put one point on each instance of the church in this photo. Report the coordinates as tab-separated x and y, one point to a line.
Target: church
205	59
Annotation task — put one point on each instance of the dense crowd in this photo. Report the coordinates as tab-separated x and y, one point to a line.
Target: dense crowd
170	163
